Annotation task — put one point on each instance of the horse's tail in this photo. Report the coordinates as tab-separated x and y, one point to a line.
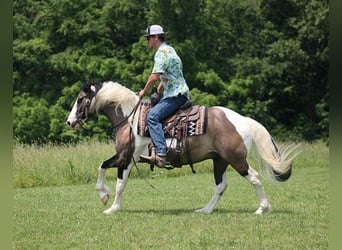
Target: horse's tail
277	163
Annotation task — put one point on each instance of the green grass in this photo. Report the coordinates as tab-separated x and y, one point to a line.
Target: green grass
56	206
58	165
51	165
70	217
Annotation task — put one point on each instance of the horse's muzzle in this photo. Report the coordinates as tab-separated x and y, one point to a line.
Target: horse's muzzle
73	125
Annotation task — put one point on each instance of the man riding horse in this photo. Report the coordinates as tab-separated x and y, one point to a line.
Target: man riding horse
168	68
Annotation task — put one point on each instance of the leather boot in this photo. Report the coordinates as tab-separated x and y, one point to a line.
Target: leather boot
157	160
160	161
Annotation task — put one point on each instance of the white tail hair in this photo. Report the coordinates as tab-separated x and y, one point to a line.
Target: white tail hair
277	163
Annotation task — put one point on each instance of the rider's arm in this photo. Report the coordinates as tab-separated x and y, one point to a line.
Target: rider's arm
150	82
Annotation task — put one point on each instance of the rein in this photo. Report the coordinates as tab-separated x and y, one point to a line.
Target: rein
134	110
135	163
129	143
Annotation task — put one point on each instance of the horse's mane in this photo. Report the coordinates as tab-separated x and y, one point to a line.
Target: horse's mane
113	93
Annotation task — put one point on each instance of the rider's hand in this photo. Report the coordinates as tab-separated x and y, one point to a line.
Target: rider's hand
141	94
160	88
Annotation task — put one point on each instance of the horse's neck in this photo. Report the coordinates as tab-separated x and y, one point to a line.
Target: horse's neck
115	116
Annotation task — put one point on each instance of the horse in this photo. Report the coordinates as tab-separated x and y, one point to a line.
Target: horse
228	140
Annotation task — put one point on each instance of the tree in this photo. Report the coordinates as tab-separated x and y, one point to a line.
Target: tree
267	59
30	119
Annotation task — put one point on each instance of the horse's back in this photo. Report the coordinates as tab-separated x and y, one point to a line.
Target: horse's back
240	123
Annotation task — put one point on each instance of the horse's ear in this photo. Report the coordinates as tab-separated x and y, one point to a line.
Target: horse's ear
85	87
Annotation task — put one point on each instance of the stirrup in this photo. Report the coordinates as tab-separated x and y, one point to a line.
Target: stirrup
156	160
146	159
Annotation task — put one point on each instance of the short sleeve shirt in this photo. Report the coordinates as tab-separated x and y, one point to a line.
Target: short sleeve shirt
168	63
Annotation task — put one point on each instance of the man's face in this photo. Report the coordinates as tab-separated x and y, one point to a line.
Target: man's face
153	41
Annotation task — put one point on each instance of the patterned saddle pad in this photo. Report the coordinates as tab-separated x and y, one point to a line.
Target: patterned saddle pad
188	122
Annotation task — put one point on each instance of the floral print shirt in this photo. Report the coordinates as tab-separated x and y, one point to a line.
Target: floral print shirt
168	63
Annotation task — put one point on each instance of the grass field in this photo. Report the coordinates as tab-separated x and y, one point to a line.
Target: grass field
69	215
60	165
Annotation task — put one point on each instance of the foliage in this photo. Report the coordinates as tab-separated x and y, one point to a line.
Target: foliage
31	119
267	59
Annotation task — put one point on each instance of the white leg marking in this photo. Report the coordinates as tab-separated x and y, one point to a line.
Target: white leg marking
140	146
219	189
253	178
120	187
101	188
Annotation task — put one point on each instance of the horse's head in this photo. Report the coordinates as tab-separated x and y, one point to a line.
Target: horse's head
83	107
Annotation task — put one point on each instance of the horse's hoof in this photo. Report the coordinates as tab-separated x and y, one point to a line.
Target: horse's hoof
203	211
107	211
263	210
110	211
105	199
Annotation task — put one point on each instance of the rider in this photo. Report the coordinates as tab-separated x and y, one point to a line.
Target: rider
168	68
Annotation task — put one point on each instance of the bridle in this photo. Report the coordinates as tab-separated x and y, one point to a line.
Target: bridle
82	115
83	107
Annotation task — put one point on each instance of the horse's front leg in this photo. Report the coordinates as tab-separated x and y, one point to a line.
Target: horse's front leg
101	188
219	190
220	167
125	154
121	182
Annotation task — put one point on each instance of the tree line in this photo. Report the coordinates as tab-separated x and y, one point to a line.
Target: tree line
267	59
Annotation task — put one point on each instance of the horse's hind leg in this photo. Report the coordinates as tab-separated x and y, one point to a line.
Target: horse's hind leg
253	178
220	167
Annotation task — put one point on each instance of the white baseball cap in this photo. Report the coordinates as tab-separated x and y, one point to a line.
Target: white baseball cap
154	30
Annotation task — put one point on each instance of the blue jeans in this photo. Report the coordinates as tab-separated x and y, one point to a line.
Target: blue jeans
157	115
